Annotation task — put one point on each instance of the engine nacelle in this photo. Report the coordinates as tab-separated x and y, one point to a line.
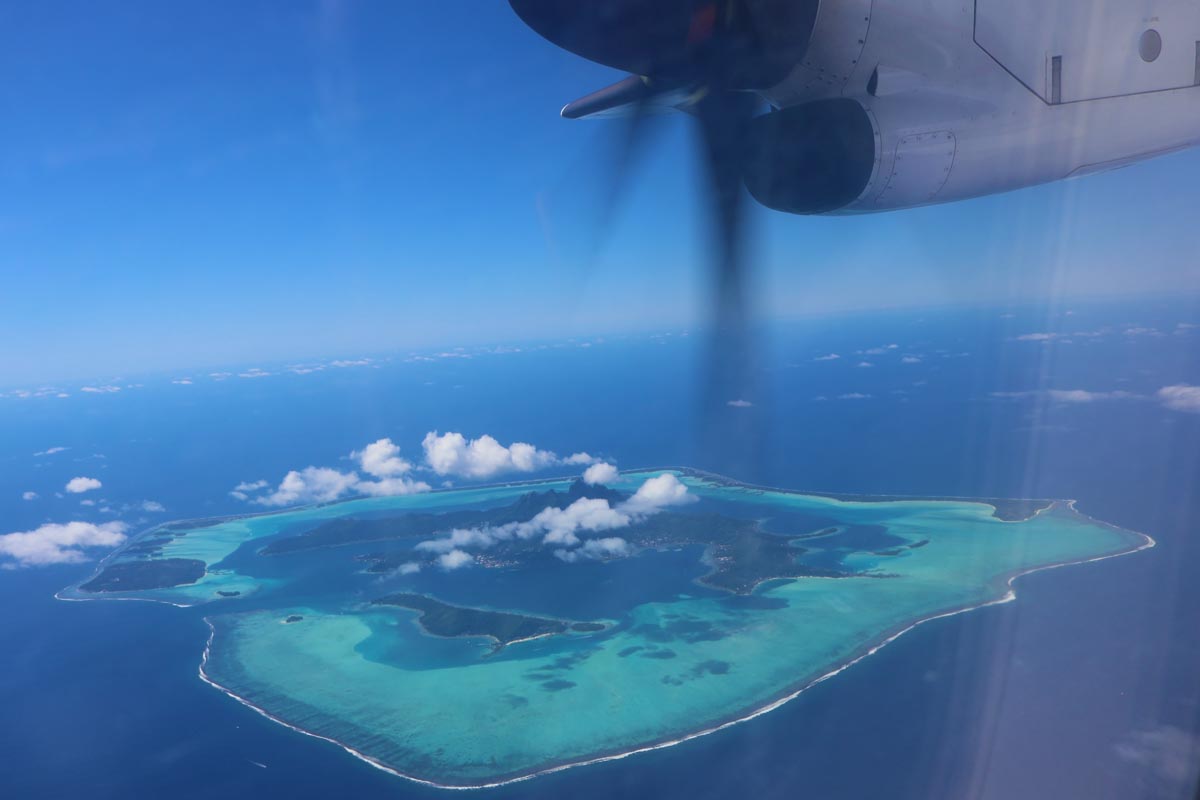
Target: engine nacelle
811	159
968	99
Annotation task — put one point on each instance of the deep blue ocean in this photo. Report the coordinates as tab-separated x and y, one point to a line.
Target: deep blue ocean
1087	686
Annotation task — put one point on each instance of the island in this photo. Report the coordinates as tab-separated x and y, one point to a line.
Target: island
133	576
741	553
614	629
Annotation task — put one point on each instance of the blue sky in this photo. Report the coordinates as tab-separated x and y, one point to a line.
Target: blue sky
191	184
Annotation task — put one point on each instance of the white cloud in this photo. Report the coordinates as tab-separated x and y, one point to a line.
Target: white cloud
220	376
153	507
59	543
182	381
527	458
310	485
1171	754
600	473
87	502
910	360
106	389
1037	337
243	490
49	451
854	396
579	459
29	495
1181	397
1084	396
357	362
418	357
81	485
739	403
558	526
658	493
381	459
585	514
45	391
391	487
254	372
455	559
865	364
561	527
830	357
482	538
454	454
408	568
1071	396
606	548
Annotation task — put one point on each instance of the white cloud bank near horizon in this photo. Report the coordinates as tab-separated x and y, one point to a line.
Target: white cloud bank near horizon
55	543
1179	397
1076	396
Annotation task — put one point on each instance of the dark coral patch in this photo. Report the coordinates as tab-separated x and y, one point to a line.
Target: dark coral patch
711	667
664	653
689	629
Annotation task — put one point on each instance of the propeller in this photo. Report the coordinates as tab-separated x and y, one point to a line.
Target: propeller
707	58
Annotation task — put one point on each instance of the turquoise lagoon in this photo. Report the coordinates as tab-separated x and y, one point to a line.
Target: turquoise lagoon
673	663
